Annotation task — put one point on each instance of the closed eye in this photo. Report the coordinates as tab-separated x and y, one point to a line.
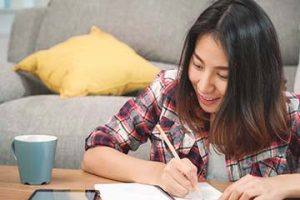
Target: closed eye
225	77
197	66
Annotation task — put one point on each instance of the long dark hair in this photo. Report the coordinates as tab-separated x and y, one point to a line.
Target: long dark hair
253	112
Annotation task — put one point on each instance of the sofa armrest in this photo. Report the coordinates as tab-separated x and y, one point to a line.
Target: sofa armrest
14	85
24	32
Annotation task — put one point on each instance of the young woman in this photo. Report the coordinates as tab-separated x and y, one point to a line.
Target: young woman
225	111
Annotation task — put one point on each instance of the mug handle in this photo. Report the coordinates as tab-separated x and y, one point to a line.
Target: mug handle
12	150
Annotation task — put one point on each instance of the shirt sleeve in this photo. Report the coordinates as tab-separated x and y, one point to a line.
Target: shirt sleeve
132	125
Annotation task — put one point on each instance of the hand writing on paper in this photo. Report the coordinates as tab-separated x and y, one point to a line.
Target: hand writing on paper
178	177
252	187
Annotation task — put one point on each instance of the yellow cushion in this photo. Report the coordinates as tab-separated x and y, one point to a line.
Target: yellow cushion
92	64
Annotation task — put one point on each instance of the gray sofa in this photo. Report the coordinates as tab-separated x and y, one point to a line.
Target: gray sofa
154	28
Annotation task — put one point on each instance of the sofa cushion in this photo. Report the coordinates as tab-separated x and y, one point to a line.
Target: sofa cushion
14	85
143	24
24	32
71	120
297	79
94	64
164	66
289	73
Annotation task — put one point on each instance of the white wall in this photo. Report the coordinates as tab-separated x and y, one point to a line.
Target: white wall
6	19
19	4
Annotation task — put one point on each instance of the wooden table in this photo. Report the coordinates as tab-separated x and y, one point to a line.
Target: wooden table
12	189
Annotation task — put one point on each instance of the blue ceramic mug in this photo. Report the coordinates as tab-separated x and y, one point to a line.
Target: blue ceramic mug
35	156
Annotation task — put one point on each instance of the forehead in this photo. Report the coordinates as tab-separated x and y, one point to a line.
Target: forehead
213	36
209	39
209	49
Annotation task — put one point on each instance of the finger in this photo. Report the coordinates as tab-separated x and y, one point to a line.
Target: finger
228	192
179	191
182	180
235	195
188	169
260	198
246	190
171	173
250	190
255	188
245	197
230	195
248	194
192	171
175	170
235	188
243	181
174	188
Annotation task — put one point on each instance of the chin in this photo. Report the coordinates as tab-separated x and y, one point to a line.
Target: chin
210	109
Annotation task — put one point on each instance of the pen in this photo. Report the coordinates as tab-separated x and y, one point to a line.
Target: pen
167	141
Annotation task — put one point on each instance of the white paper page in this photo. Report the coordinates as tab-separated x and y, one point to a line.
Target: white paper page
130	191
208	192
136	191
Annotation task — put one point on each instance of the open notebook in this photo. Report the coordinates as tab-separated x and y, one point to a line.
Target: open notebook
136	191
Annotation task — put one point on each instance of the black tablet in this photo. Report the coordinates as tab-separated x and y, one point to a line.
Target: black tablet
43	194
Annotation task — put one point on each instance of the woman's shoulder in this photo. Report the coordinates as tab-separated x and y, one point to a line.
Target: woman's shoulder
293	103
165	81
166	77
294	113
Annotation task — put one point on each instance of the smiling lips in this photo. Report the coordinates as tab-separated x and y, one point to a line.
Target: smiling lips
208	100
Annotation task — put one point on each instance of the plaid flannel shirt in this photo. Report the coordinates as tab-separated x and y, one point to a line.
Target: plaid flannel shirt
135	123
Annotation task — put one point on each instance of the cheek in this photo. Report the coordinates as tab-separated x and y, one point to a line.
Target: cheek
194	76
222	87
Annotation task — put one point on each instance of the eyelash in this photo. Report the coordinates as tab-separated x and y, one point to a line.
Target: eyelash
223	77
199	67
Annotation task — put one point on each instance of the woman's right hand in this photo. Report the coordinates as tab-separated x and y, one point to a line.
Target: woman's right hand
178	177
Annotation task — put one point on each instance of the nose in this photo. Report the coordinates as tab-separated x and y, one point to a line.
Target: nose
205	84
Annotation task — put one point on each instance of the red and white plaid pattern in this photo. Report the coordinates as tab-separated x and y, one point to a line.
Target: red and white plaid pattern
136	120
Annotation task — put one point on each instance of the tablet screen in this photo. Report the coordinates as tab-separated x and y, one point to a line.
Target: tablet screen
65	195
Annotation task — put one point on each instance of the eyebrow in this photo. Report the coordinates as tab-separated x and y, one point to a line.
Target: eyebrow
218	67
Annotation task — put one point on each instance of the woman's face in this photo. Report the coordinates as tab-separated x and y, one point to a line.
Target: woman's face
208	73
